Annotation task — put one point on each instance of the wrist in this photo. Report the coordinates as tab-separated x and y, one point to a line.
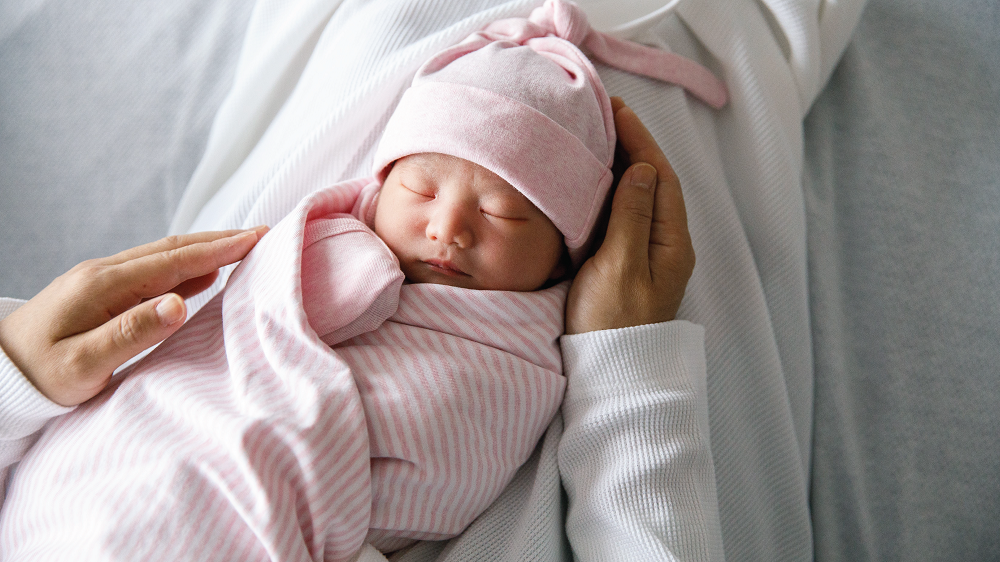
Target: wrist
23	408
11	348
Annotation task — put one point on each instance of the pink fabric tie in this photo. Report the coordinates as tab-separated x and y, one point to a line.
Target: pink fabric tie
567	21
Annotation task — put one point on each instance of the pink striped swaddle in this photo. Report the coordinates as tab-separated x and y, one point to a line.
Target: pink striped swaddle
244	436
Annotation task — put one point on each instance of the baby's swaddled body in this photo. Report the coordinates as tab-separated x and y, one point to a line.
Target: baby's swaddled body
247	436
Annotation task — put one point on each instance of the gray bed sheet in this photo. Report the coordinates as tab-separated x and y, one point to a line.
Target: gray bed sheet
105	107
903	201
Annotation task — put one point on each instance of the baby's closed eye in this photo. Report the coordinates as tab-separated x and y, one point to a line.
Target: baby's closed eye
504	214
506	207
420	190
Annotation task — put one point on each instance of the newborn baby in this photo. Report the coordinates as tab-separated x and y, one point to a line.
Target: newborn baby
320	403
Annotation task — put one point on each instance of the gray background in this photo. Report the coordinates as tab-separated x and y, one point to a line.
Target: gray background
105	107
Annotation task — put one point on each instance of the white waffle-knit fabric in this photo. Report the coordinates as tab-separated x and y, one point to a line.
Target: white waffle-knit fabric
246	433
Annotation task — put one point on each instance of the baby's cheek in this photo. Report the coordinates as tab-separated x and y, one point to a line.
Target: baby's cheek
523	268
393	233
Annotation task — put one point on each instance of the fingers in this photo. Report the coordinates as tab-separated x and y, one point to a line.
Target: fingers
188	268
92	356
639	274
69	339
637	141
192	287
172	243
132	331
628	235
640	145
669	225
616	104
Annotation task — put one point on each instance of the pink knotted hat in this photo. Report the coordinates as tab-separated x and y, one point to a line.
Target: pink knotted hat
521	99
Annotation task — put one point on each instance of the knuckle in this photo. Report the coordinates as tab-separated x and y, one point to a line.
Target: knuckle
641	206
170	264
88	278
170	255
86	270
78	373
622	270
128	331
81	267
632	284
173	241
635	213
75	361
181	261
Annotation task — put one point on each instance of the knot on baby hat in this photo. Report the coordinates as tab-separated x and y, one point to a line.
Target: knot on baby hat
521	99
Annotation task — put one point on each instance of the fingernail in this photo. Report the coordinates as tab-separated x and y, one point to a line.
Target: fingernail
643	175
260	230
170	310
244	237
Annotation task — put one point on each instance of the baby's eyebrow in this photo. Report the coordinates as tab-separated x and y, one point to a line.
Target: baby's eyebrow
429	163
414	165
414	176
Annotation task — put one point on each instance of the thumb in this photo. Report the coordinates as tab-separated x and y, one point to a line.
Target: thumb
134	330
632	215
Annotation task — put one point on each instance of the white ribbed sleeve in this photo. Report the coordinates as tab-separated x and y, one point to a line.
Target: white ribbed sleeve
23	410
635	457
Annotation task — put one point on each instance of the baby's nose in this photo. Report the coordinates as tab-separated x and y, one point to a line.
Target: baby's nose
450	225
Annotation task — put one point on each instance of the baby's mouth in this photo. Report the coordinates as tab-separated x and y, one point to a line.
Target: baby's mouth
445	267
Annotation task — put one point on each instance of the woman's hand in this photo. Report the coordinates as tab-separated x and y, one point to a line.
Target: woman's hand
639	273
69	339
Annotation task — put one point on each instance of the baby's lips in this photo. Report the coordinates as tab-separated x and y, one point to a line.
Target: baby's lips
445	266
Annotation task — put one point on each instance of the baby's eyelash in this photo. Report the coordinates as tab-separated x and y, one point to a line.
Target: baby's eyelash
497	216
418	192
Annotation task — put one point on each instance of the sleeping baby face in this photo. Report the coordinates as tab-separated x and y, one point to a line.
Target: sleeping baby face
452	222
